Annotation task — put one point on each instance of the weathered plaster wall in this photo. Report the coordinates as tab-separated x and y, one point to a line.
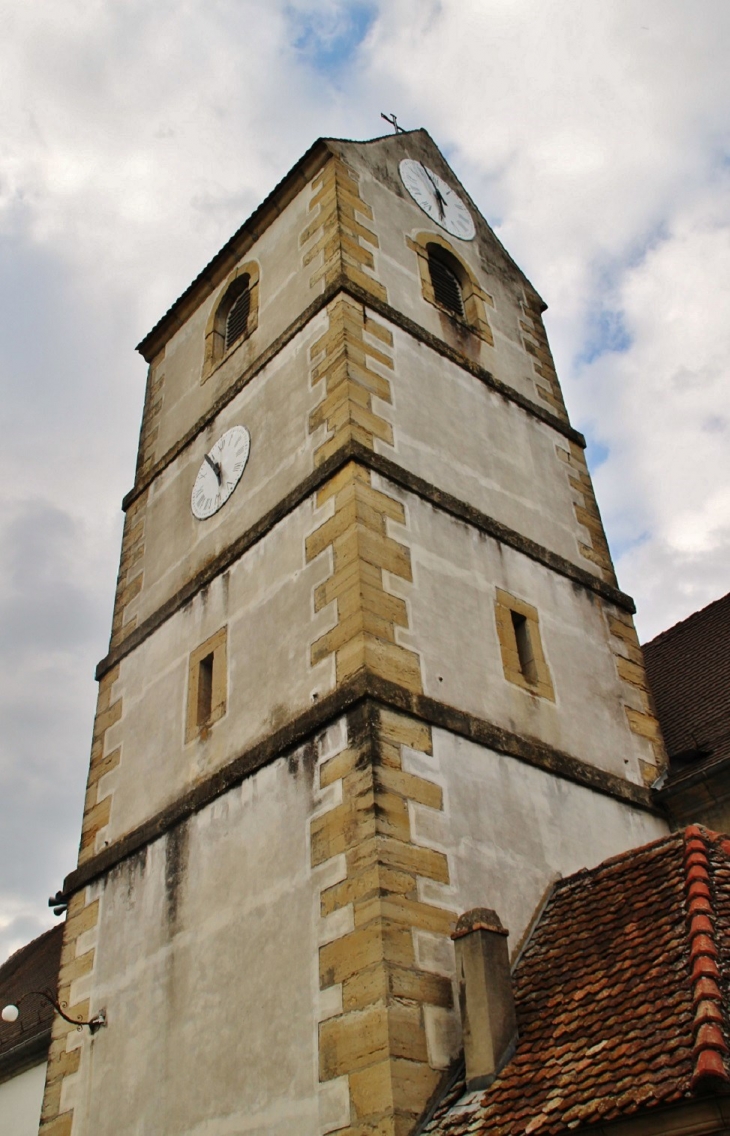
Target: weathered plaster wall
206	960
283	294
280	961
275	409
266	602
397	218
466	439
446	425
456	571
509	831
20	1102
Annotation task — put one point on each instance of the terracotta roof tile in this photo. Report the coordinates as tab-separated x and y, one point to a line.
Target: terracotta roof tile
618	994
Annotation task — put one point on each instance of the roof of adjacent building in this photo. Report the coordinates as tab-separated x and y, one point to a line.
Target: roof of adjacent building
689	672
33	967
619	996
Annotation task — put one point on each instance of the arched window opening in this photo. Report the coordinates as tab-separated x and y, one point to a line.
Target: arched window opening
234	318
238	313
446	284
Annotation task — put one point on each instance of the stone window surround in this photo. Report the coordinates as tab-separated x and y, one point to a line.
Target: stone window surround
217	646
504	607
475	298
215	331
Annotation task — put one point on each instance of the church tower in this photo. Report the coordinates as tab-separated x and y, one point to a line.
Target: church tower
369	667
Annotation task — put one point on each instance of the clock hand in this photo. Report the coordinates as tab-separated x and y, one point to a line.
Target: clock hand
439	198
215	466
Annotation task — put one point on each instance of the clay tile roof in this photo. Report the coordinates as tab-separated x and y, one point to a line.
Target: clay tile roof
619	996
33	967
689	672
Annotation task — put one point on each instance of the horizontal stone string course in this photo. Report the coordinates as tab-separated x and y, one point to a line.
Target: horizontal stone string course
359	296
361	687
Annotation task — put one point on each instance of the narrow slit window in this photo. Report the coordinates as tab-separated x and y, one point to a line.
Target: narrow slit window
205	689
525	652
520	644
237	318
207	686
446	285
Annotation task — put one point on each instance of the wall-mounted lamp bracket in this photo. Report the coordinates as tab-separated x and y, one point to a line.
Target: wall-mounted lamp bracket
10	1013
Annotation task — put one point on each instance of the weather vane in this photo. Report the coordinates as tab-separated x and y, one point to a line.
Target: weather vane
393	122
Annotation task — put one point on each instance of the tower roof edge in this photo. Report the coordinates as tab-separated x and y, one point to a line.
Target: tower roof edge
247	233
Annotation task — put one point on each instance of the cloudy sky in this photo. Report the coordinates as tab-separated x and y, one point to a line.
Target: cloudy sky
137	136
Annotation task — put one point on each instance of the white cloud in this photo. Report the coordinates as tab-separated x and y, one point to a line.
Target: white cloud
137	137
597	138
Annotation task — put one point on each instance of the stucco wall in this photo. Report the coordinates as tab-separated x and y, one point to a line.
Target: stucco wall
455	432
275	408
284	293
510	830
207	942
397	217
20	1102
265	600
456	571
206	961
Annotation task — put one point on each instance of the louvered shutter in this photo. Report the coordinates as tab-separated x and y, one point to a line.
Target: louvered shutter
237	318
446	287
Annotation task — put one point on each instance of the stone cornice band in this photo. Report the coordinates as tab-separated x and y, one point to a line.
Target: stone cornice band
353	451
361	295
363	686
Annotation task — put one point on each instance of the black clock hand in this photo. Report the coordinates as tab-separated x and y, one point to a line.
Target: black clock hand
215	466
439	198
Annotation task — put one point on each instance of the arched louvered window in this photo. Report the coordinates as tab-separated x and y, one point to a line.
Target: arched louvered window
237	316
446	285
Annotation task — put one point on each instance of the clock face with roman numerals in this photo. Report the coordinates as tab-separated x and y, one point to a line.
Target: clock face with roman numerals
437	199
220	472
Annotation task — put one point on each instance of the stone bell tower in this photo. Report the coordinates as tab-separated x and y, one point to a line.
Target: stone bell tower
369	667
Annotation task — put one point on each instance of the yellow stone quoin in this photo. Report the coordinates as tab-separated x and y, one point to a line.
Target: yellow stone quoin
338	242
64	1055
97	809
536	345
379	1040
344	362
642	718
364	637
586	511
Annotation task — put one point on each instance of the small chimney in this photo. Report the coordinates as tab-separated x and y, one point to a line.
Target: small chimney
486	1001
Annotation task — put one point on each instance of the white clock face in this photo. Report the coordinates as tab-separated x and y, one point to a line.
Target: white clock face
220	472
442	204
